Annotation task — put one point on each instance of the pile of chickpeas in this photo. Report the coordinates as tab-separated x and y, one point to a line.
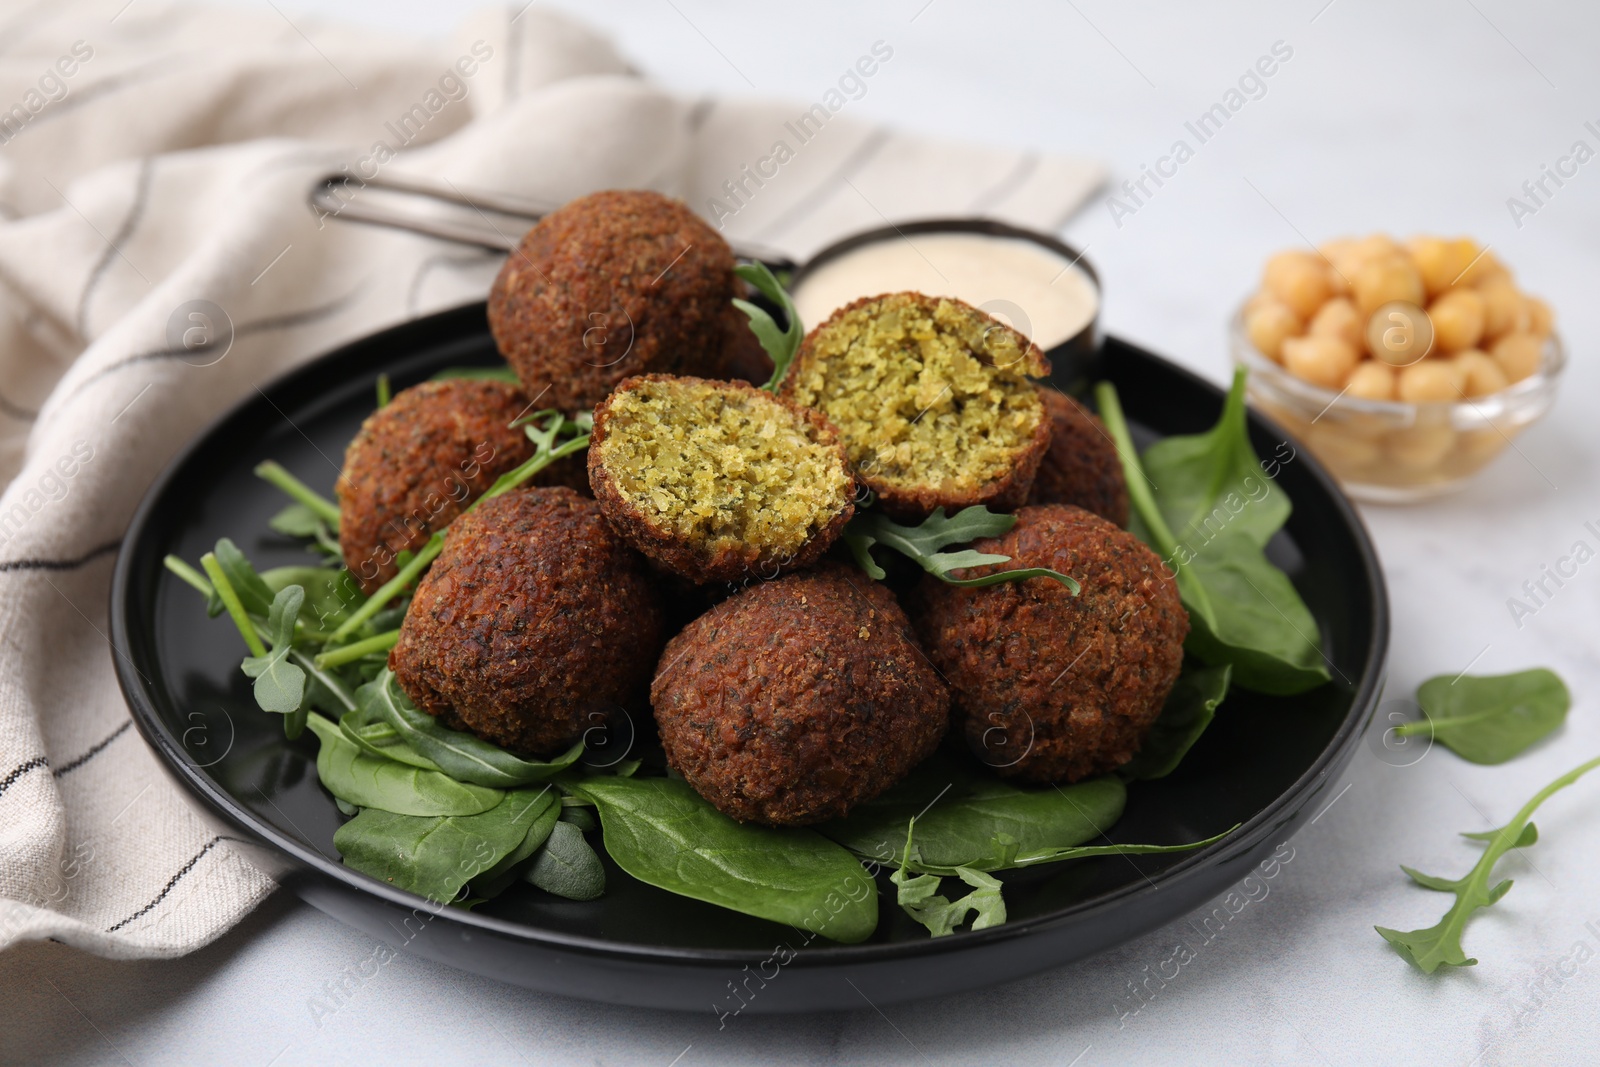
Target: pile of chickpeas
1315	315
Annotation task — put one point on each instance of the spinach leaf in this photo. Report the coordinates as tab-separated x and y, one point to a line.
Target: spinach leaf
1243	611
374	782
925	542
1491	719
498	878
964	819
381	740
437	857
567	866
1440	945
781	345
1189	709
280	686
462	756
661	832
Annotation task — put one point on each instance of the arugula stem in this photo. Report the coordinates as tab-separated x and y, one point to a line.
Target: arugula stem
392	588
189	575
384	395
230	600
275	473
1144	501
350	653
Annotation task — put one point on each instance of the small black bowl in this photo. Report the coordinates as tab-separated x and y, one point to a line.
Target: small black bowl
1267	763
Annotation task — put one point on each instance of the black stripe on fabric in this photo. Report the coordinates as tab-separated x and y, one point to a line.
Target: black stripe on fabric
141	195
23	768
1014	179
115	83
174	880
93	752
821	194
59	564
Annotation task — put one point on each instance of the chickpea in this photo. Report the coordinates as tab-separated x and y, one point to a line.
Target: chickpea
1480	374
1420	448
1519	355
1269	325
1378	246
1503	310
1439	262
1541	320
1339	318
1430	381
1381	280
1324	361
1299	279
1339	449
1479	269
1371	380
1457	319
1342	263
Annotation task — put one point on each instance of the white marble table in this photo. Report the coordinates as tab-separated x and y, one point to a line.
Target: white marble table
1426	118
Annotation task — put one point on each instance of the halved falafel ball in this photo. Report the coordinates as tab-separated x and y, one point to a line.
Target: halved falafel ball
535	624
1050	686
718	480
610	285
932	399
417	463
1081	466
796	699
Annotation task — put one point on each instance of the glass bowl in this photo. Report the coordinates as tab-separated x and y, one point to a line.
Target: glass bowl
1389	451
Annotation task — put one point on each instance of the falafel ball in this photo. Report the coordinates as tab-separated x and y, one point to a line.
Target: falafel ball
417	463
535	624
718	480
1050	686
610	285
1081	466
796	699
932	398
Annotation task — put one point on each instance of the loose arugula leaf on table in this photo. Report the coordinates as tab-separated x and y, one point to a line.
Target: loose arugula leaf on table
1490	719
567	866
1440	945
461	755
925	544
969	819
1243	611
437	857
781	345
661	832
1189	709
280	686
367	781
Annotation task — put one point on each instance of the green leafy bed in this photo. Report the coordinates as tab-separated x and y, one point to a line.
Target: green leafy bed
452	818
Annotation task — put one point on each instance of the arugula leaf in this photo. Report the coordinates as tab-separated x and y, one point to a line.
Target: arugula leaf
437	857
567	866
460	755
253	592
295	520
962	817
329	592
1243	611
1439	945
663	833
280	686
277	474
1189	709
1490	719
381	740
781	345
925	542
367	781
918	896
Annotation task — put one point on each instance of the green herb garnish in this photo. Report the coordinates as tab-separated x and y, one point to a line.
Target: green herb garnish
1440	944
1243	611
925	543
1490	719
781	345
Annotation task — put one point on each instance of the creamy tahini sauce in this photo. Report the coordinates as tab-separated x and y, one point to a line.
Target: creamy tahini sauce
1023	284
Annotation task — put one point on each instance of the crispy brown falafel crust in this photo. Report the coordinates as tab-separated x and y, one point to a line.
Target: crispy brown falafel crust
696	561
1081	466
534	625
417	462
910	503
612	284
1049	686
796	699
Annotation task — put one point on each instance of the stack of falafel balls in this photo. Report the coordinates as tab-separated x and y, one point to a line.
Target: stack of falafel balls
691	569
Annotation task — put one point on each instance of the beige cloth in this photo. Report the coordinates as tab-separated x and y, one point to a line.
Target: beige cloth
157	154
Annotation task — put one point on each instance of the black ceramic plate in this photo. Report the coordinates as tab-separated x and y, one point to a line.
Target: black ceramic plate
1266	763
